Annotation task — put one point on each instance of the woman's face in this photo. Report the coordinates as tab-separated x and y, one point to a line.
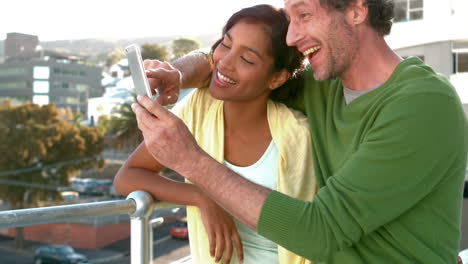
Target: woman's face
243	64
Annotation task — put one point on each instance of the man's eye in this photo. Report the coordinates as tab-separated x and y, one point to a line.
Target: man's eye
304	15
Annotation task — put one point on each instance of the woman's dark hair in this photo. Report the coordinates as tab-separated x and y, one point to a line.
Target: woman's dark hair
284	56
381	12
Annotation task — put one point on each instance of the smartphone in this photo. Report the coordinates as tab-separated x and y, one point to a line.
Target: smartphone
137	71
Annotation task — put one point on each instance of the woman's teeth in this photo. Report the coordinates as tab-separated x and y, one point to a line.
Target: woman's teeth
311	50
225	79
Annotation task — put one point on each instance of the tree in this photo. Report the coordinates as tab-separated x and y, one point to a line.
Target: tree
182	46
153	51
122	128
114	56
41	152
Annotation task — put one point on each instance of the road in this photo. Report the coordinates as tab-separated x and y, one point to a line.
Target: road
165	250
11	258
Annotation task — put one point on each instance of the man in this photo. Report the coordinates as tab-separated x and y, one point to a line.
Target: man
388	137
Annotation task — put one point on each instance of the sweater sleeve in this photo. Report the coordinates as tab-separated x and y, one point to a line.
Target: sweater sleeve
404	155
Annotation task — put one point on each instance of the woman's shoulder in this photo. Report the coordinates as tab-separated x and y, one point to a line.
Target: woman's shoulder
288	115
196	101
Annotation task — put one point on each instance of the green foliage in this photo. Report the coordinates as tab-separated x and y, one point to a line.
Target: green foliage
121	129
153	51
103	124
40	140
182	46
114	56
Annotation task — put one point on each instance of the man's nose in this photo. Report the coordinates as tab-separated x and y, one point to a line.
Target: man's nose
294	34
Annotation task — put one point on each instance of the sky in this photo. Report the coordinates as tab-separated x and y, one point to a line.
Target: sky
117	19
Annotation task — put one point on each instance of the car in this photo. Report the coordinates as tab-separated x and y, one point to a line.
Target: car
180	229
51	254
83	185
91	185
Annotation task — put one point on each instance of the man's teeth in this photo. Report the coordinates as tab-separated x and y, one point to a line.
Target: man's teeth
311	50
225	79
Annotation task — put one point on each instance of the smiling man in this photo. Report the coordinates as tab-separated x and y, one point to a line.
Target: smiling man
389	142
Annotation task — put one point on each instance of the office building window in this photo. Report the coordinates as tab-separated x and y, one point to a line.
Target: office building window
41	87
408	10
41	99
41	72
13	72
72	100
82	87
460	62
67	72
60	85
13	85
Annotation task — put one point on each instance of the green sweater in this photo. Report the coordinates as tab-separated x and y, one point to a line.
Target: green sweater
390	167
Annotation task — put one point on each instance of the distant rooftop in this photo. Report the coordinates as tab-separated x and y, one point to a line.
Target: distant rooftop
19	46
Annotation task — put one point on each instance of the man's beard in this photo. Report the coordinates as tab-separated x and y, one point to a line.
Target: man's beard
342	47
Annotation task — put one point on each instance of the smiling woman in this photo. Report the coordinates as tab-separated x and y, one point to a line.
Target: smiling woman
236	121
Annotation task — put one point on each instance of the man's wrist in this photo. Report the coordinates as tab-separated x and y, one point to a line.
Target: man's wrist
199	166
196	69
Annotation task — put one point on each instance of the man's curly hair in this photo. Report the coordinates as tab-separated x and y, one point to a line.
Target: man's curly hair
381	12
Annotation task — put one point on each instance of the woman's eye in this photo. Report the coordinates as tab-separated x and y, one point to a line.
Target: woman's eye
225	46
246	60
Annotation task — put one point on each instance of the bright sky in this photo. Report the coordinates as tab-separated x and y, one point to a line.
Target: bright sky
61	19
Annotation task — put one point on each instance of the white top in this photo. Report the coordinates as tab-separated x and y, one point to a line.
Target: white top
262	172
258	249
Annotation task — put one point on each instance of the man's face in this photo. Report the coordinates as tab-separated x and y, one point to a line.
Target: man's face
322	35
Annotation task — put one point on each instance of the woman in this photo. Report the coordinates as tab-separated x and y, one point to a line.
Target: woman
237	123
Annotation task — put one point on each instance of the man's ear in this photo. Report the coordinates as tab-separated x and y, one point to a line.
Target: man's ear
357	13
279	78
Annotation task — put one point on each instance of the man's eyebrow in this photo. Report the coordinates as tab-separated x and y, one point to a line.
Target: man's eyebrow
294	6
246	47
298	4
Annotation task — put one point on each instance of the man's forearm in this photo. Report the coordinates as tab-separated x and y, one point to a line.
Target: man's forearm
195	68
240	197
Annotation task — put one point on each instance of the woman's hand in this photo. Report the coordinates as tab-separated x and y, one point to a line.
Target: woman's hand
222	232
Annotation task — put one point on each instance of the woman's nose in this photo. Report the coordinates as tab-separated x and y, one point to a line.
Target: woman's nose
227	61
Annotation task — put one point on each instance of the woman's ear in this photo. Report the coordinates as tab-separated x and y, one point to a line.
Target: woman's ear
279	78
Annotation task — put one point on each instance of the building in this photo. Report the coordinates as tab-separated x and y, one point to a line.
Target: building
30	73
21	45
435	31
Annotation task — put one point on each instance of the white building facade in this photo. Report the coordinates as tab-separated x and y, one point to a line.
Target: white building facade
437	32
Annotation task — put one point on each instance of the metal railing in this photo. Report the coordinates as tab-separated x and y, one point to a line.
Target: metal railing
139	205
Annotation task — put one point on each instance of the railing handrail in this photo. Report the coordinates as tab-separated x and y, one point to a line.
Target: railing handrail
139	205
61	213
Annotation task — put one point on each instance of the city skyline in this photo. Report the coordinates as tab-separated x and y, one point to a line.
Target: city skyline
105	19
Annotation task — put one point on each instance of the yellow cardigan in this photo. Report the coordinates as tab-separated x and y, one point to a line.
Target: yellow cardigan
295	173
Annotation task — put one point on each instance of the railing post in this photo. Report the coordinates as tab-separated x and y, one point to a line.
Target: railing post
141	240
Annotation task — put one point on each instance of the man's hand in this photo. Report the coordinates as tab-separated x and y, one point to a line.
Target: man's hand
164	78
170	142
166	137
